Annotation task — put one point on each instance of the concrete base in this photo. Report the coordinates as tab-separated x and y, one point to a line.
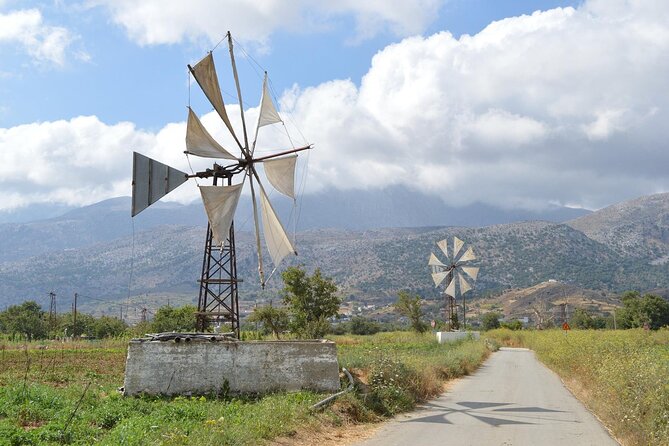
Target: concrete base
452	336
202	366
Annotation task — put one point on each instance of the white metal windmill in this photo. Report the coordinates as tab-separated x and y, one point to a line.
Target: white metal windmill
456	272
152	180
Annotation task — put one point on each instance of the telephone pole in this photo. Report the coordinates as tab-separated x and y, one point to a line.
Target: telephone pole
52	310
74	315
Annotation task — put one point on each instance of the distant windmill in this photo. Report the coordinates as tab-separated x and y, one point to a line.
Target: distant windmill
456	273
151	180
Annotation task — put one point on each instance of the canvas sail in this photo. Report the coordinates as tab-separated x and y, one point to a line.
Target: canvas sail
471	271
442	244
464	285
220	203
200	143
276	239
205	74
281	174
439	277
467	256
434	261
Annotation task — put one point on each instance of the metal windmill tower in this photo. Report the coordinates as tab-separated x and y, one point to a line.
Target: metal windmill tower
218	296
457	274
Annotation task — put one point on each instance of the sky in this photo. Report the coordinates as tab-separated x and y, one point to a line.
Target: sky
513	103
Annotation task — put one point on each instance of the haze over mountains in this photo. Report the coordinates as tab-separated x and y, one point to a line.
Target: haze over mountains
92	250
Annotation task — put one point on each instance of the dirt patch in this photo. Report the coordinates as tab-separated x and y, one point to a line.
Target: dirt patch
332	436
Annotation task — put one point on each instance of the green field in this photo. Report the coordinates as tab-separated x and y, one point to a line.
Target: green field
622	376
67	394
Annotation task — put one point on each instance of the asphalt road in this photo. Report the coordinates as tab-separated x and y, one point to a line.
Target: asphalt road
512	399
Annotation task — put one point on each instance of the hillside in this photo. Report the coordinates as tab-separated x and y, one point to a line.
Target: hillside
636	228
91	252
548	297
110	220
368	266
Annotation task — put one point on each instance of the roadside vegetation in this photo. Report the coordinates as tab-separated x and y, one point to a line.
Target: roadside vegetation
66	393
622	375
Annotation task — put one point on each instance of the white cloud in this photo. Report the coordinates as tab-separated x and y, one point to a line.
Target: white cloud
44	43
153	22
563	106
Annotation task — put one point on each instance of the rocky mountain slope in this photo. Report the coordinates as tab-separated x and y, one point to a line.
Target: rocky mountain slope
637	228
368	265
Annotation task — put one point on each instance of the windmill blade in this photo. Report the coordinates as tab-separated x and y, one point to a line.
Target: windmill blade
439	277
152	180
467	256
457	245
200	143
464	285
281	174
220	203
204	73
434	261
276	238
443	245
261	271
450	289
268	114
471	271
239	96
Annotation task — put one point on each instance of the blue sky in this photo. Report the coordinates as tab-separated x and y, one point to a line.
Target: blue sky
515	103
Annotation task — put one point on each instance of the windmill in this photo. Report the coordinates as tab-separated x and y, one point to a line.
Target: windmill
218	296
456	272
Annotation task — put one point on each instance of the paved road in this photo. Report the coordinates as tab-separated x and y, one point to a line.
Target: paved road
511	400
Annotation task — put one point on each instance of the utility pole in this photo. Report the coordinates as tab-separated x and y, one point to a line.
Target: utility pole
74	315
52	310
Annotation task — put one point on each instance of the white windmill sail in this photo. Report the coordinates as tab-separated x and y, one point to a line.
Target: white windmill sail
205	74
464	286
268	114
471	271
434	261
457	245
467	256
442	244
281	174
439	277
276	238
220	203
199	142
450	289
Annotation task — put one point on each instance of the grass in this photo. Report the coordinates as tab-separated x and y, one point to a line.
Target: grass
623	376
67	394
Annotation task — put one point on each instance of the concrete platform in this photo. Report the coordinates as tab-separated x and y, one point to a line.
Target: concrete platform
452	336
203	366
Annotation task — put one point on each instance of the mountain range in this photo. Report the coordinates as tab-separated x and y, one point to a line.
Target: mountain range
100	253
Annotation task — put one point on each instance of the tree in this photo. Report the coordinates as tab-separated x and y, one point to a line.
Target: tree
273	319
363	326
638	311
108	327
179	319
490	321
26	319
581	320
513	325
410	306
311	301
